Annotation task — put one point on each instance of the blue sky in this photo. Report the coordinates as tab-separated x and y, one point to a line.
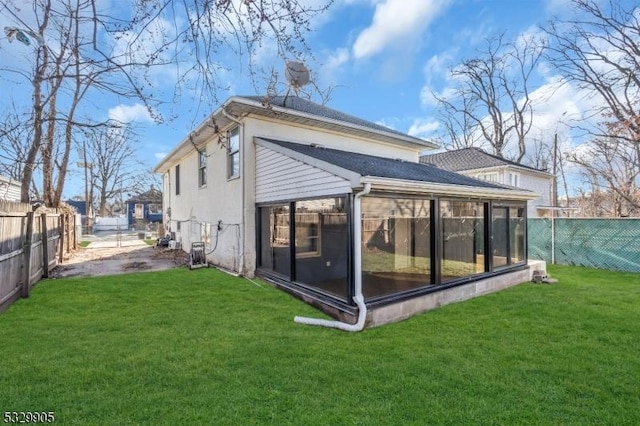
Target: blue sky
383	57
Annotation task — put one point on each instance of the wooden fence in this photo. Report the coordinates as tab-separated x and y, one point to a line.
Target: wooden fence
32	243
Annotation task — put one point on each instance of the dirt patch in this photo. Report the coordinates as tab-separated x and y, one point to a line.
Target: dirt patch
117	260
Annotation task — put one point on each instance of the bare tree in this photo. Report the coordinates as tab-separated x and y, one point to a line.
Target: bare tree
79	50
491	99
113	165
611	167
599	52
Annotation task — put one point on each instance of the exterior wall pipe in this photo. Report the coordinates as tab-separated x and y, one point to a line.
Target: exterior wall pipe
357	261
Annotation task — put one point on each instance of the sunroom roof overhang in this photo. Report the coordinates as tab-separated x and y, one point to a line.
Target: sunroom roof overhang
439	189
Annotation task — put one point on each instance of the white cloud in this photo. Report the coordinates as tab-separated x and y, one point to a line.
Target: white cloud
159	155
423	128
129	113
395	23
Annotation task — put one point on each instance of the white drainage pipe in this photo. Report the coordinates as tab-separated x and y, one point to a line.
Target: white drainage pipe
357	261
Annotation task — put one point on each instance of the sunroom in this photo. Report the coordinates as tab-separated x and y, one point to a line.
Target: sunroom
371	240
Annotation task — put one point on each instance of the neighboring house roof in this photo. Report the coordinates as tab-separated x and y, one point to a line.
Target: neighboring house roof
294	110
80	206
370	166
151	196
471	159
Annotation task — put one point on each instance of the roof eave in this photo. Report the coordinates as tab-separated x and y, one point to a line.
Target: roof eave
400	185
260	109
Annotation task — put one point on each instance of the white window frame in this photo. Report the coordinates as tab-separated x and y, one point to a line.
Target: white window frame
202	168
317	236
514	178
233	152
138	211
489	177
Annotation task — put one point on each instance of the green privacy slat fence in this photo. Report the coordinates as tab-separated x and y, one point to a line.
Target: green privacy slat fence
612	244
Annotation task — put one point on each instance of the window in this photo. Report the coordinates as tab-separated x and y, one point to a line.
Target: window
154	208
233	153
177	179
139	211
307	234
491	177
202	168
507	235
462	224
396	245
514	179
318	258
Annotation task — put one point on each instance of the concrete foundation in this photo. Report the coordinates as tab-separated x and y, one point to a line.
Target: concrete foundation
408	308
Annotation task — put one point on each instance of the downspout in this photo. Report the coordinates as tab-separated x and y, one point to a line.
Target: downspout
241	124
357	279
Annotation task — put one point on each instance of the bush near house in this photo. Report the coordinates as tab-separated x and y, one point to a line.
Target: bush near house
203	347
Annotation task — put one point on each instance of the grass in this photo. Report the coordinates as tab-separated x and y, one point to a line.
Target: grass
85	243
151	241
203	347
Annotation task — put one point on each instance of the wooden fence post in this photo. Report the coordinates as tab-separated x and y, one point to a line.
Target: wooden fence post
67	228
26	283
75	232
61	240
45	246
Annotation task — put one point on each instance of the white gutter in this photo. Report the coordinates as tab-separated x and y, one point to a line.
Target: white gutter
357	261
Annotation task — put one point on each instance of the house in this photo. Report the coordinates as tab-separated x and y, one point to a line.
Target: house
10	190
144	209
476	163
339	212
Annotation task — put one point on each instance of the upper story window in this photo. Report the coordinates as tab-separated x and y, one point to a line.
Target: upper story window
202	168
233	153
491	177
514	179
177	173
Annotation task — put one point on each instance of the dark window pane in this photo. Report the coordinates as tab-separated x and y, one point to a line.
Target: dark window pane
396	235
274	239
462	224
500	237
322	245
517	225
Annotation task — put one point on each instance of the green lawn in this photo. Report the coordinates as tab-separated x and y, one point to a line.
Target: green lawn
202	347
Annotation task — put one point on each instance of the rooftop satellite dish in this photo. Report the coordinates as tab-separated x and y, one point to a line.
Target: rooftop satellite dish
296	74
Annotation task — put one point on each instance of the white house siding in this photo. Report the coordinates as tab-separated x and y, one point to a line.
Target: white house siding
10	190
539	184
279	177
197	206
295	133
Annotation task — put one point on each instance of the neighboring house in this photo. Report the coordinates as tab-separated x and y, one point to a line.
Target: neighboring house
81	208
144	209
338	211
478	164
10	190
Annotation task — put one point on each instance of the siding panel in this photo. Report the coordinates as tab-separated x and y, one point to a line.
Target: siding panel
279	177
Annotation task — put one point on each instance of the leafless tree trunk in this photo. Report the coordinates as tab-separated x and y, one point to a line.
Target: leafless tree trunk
81	50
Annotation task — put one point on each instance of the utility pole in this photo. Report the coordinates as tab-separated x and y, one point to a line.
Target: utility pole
555	173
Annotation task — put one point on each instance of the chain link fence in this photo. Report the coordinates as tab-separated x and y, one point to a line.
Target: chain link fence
612	244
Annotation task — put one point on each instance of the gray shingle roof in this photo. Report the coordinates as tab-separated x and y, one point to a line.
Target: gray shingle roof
369	165
308	107
468	159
